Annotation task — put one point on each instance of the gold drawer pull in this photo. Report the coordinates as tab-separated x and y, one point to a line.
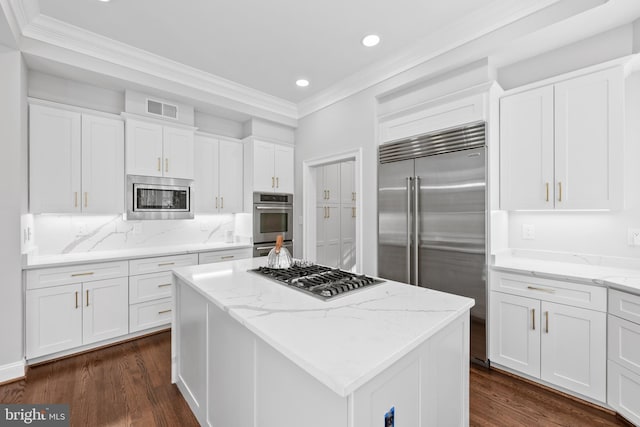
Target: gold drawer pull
221	202
87	297
158	164
82	274
227	257
164	285
533	318
277	182
547	185
86	199
76	299
273	182
163	264
560	191
164	311
533	288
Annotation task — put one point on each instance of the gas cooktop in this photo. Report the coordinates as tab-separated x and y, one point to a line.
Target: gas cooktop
318	280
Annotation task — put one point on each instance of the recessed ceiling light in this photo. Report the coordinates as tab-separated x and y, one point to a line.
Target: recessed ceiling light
302	82
370	40
105	1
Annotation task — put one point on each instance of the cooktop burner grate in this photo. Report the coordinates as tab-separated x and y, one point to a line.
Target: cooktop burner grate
317	280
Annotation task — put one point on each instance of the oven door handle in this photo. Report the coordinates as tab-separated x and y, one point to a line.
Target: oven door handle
264	248
271	208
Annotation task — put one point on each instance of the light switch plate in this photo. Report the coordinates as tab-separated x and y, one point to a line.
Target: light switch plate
528	232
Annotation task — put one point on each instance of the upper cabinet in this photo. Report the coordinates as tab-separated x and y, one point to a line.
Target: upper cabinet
218	175
561	145
76	162
157	150
271	166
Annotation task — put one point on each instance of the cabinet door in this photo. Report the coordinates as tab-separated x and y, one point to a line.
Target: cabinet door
231	177
283	168
321	217
348	237
526	150
54	160
53	319
347	182
205	174
332	182
321	189
263	175
102	165
623	391
589	139
105	309
144	148
332	236
178	153
574	349
515	332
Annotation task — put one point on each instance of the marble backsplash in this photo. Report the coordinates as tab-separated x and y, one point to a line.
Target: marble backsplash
73	234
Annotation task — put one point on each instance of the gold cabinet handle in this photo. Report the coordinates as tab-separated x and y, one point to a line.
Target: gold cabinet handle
162	264
216	202
164	285
227	257
328	212
533	288
86	199
75	199
277	182
533	318
353	212
221	202
273	182
559	191
547	185
164	311
166	164
87	297
159	164
89	273
546	321
76	299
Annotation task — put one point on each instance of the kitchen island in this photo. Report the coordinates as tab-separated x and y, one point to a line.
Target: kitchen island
248	351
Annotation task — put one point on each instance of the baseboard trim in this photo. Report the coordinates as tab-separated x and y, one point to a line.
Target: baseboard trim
12	372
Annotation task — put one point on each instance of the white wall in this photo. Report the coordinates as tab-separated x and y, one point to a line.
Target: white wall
13	172
269	130
601	233
219	126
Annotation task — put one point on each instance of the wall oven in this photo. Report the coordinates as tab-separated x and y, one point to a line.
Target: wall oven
272	216
151	197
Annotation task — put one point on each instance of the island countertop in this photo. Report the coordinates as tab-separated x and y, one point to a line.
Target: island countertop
343	342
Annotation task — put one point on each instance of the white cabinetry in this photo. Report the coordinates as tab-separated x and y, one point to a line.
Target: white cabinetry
150	290
224	255
71	306
157	150
76	162
218	175
551	330
270	166
335	215
562	145
624	354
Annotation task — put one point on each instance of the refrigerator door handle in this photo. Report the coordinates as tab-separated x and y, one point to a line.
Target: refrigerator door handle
409	179
416	233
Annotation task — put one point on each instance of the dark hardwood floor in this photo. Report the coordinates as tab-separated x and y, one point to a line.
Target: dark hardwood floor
129	385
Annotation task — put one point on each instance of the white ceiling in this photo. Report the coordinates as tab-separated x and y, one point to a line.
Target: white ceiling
267	45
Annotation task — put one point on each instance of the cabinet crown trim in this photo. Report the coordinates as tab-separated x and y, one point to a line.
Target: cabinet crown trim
129	116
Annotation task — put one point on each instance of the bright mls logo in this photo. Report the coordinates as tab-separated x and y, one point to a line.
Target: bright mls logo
34	415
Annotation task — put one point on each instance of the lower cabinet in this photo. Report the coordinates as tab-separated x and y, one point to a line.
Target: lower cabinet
624	354
63	317
561	344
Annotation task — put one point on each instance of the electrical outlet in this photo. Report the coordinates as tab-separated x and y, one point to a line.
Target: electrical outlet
528	231
633	237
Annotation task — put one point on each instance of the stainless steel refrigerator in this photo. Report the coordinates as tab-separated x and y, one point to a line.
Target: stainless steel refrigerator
432	217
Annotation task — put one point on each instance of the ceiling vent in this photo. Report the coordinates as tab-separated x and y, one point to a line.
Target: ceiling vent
158	108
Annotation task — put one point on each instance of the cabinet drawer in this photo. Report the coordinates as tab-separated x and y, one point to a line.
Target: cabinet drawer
624	343
624	305
149	287
574	294
163	263
150	314
54	276
623	391
227	255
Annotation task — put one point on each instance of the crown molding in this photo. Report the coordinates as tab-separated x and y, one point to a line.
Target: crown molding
500	12
56	33
19	13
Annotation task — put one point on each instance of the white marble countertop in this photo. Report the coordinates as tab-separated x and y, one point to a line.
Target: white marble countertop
344	342
59	260
617	273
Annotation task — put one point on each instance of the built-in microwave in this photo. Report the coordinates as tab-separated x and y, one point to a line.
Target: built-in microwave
150	197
